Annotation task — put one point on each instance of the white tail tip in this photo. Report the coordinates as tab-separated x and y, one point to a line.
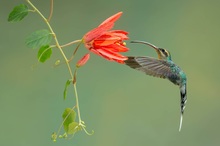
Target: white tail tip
181	121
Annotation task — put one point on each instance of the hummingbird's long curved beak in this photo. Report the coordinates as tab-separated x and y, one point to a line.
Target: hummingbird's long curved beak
151	45
146	43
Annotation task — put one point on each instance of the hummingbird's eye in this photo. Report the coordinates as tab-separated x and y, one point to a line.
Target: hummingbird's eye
164	52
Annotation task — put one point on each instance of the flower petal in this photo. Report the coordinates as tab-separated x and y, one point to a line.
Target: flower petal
104	42
98	53
103	27
117	47
112	19
112	55
119	33
109	38
96	32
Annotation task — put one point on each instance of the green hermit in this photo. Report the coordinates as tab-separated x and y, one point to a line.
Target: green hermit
163	67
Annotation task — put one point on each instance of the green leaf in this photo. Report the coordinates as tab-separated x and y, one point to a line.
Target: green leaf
18	13
44	53
69	116
66	87
39	38
73	128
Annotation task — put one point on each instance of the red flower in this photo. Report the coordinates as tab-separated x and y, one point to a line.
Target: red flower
105	42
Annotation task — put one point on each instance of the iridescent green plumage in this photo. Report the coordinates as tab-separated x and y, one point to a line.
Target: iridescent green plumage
162	67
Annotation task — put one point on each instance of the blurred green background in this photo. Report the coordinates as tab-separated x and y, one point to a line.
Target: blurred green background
123	106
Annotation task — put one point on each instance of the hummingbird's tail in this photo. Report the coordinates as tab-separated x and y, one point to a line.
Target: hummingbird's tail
183	100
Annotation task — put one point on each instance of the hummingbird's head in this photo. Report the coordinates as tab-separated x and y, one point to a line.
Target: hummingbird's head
162	53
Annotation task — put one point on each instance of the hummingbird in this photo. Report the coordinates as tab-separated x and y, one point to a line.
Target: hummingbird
163	67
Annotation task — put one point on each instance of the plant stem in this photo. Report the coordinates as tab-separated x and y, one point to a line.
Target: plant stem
75	51
55	38
76	94
63	54
77	103
70	43
51	10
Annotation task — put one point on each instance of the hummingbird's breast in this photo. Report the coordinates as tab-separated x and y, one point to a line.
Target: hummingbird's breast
178	77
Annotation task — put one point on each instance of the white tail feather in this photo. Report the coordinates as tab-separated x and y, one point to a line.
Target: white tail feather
181	121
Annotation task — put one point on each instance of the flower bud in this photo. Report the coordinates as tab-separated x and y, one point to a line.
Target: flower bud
83	60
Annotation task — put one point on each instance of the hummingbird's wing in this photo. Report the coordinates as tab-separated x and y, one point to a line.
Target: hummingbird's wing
151	66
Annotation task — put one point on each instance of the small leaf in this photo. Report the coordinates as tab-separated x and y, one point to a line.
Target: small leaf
44	53
57	62
54	136
18	13
73	128
69	116
66	87
39	38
